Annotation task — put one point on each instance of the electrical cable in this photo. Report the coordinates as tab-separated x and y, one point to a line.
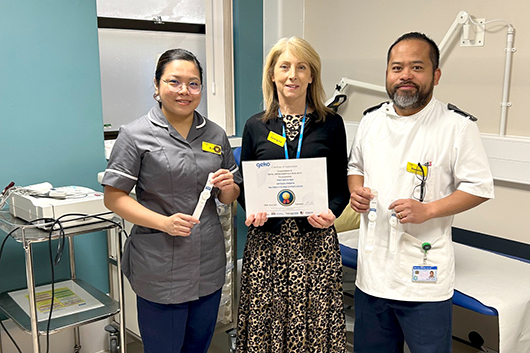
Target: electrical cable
52	270
4	196
58	256
46	220
490	21
52	264
1	323
10	337
4	241
54	261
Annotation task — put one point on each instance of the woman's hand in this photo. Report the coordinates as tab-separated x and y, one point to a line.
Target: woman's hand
228	190
223	179
323	220
179	224
257	220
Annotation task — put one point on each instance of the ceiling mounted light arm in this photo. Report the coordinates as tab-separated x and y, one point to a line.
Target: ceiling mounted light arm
461	19
472	34
340	97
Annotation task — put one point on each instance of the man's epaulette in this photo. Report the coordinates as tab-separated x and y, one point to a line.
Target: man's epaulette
375	107
461	112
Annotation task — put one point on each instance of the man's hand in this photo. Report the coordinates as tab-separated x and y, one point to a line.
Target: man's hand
411	211
360	199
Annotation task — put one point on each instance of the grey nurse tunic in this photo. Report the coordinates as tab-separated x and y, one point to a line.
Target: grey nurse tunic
169	173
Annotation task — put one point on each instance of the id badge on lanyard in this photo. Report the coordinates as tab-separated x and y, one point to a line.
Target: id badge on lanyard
424	273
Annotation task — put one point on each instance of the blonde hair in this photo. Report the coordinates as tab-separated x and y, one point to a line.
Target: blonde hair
315	92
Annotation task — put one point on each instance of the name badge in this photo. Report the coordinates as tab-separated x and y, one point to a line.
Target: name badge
211	147
414	168
424	274
275	138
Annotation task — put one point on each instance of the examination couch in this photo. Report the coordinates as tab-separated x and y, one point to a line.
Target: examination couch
487	283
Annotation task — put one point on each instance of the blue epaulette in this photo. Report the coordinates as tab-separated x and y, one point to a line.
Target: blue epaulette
375	107
457	110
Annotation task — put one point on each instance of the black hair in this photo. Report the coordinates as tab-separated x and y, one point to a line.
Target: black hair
434	52
172	55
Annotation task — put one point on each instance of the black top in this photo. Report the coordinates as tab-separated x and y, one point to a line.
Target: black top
321	139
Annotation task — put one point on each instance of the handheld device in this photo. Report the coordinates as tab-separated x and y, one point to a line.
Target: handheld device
372	214
393	220
372	217
203	197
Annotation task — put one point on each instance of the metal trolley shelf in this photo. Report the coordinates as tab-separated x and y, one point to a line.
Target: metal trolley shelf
27	234
18	315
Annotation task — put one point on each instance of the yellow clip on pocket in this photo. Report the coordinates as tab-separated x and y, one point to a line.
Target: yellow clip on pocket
210	147
414	168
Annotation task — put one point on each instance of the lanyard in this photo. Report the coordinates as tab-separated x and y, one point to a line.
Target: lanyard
299	138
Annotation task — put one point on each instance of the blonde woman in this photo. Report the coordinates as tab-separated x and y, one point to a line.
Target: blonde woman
291	283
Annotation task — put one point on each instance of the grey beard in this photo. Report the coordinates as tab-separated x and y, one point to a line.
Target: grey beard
406	101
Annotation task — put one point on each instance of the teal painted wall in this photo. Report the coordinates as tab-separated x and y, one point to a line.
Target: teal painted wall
51	119
248	66
51	115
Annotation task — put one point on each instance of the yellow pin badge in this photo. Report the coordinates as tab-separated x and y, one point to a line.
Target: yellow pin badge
276	138
211	147
414	168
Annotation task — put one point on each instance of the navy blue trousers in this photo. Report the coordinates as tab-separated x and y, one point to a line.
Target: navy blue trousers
383	325
178	328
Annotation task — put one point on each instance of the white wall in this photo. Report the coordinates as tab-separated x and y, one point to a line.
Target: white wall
281	18
353	36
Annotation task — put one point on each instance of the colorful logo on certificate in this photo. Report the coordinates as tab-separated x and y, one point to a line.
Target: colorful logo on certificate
286	197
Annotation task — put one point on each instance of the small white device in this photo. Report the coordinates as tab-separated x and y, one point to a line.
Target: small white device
372	214
44	201
393	220
203	197
372	217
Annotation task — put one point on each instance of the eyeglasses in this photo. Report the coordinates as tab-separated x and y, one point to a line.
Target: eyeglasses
419	190
176	86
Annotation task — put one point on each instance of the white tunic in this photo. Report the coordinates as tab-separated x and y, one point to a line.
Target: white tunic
451	147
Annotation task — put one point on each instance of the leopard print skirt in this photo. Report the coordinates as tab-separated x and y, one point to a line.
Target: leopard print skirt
291	292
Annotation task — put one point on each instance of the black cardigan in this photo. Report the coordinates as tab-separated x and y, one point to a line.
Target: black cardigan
321	139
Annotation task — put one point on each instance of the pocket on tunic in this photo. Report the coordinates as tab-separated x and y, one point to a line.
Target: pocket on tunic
155	175
150	256
411	254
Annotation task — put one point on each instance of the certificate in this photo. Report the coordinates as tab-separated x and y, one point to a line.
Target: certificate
286	187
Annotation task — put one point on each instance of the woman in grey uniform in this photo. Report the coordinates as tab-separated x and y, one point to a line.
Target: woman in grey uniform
174	261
